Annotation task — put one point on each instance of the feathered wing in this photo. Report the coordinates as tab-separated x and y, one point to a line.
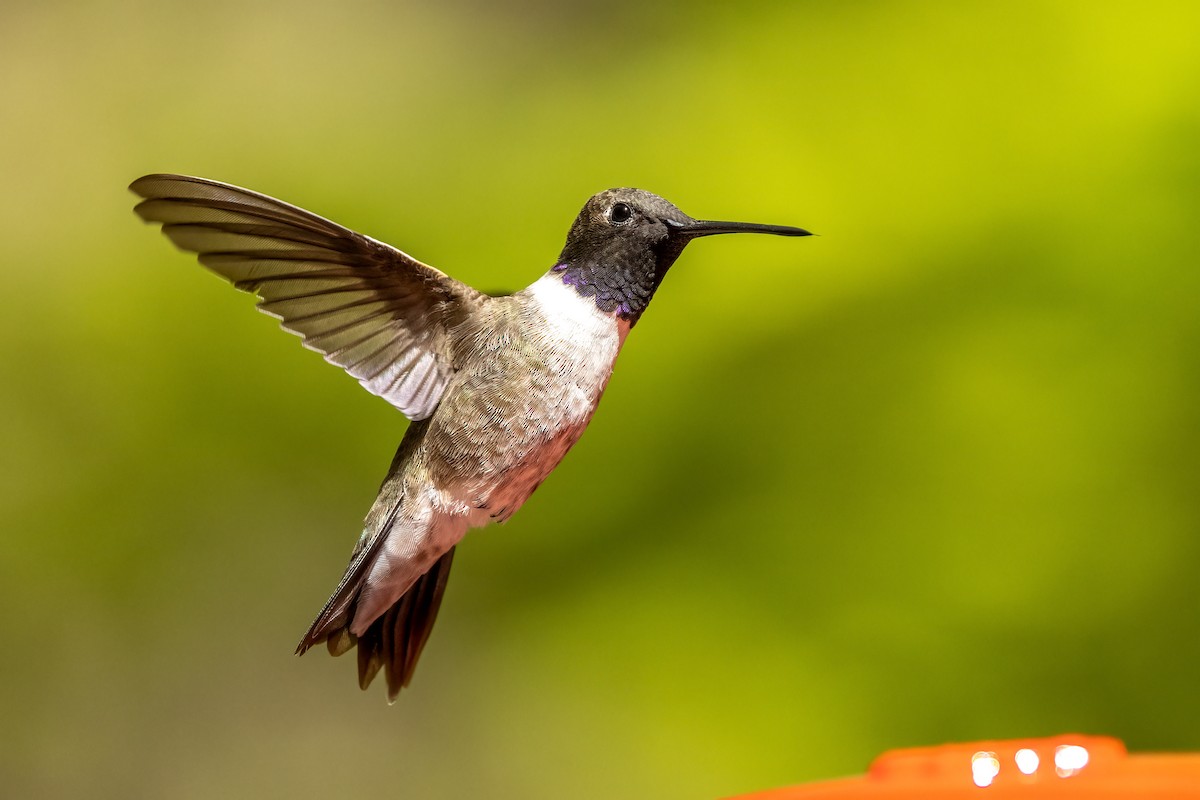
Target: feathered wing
369	308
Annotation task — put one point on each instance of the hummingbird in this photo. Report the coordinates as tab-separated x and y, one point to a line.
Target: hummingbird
497	387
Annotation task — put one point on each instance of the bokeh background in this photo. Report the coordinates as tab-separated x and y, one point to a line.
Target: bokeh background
930	476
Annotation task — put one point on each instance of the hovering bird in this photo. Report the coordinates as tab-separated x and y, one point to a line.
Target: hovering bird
498	388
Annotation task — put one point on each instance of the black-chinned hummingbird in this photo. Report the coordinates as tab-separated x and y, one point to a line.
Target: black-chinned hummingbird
498	388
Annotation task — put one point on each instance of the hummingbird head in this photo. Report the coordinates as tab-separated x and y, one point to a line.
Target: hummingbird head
624	241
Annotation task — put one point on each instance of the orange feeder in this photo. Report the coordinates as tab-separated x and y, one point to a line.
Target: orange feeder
1069	766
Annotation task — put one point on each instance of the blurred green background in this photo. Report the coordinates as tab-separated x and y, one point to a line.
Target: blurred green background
930	476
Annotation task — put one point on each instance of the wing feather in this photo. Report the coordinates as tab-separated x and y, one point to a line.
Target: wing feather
373	310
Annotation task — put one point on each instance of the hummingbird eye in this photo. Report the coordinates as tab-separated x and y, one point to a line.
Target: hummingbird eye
620	213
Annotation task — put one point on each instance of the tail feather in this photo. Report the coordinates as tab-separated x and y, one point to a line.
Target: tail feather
392	642
338	610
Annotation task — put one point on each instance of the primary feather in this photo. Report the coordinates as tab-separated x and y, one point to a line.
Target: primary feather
371	309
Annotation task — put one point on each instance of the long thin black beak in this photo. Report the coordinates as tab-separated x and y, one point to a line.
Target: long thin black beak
704	227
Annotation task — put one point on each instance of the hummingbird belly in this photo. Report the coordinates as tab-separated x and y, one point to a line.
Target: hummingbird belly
526	396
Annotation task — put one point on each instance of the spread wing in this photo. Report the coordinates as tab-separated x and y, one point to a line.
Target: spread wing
376	312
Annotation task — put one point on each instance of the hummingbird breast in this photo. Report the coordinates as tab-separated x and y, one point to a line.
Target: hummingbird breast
531	370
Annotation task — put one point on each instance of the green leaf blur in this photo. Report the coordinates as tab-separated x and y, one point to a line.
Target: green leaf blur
929	476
